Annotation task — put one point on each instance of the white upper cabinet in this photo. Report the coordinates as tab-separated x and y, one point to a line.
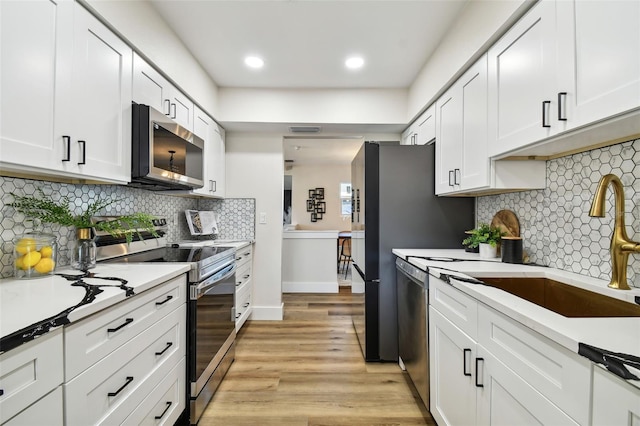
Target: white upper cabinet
448	140
66	93
151	88
409	135
564	66
598	59
426	131
522	73
214	155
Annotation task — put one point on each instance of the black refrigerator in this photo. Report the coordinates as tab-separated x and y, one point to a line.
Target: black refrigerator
394	206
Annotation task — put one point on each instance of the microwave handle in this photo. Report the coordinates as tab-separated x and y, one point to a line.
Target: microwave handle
168	105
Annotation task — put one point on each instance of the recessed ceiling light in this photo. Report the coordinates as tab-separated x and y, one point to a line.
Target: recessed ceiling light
254	62
354	62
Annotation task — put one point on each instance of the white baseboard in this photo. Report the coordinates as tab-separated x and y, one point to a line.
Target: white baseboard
310	287
267	313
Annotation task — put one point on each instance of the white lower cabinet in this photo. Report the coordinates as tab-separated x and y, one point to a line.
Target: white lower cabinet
46	411
510	375
615	402
244	285
27	373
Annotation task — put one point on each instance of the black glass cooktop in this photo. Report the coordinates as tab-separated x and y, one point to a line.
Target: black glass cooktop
171	254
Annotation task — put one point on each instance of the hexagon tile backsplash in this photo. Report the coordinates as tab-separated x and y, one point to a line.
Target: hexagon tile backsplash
555	224
237	215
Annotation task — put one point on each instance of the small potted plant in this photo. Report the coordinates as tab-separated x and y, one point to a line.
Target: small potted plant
486	237
43	208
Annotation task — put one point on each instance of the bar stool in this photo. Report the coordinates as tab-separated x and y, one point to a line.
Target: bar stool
345	255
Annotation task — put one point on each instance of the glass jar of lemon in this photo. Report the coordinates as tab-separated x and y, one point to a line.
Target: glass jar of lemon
34	255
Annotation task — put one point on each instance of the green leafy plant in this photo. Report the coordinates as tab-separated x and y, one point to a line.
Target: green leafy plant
484	233
43	208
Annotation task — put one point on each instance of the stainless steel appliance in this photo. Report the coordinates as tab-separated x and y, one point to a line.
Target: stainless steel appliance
394	206
413	325
210	310
164	155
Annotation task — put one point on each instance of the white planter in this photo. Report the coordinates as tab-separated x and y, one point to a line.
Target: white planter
488	252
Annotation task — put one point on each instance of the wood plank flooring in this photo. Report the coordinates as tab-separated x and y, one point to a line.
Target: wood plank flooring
308	370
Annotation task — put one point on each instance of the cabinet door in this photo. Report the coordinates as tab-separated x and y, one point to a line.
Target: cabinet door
219	161
46	411
202	124
181	109
35	52
448	141
615	402
522	80
453	391
506	399
475	159
599	59
408	137
426	126
149	86
101	109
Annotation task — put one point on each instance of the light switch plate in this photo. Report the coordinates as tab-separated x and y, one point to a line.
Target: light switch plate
263	217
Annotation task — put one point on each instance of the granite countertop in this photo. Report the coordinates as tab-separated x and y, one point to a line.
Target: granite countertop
30	308
617	335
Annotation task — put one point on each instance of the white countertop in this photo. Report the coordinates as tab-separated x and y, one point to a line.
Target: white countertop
27	302
612	334
311	234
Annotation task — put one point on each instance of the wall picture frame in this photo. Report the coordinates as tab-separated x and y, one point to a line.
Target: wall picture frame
321	207
319	193
310	205
312	194
314	217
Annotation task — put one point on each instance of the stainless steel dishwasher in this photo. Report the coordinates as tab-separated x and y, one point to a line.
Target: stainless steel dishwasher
413	326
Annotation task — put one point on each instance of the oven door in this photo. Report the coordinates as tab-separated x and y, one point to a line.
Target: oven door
211	325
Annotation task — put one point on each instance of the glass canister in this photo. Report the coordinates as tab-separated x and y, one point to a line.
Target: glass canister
83	256
35	255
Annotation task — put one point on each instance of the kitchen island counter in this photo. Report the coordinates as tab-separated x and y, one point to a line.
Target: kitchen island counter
30	308
614	334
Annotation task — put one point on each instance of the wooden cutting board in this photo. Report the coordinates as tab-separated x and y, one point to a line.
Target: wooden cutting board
507	221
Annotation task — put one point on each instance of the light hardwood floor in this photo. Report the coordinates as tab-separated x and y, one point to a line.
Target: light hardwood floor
308	370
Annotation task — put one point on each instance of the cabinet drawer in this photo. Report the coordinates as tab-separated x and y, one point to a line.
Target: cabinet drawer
111	389
243	275
243	305
557	373
46	411
243	255
166	401
93	338
457	307
29	372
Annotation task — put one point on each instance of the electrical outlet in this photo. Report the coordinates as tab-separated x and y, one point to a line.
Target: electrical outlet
263	217
174	219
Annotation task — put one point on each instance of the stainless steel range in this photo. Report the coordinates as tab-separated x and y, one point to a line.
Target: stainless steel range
210	308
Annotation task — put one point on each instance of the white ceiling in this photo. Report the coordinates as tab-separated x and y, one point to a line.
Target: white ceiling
304	43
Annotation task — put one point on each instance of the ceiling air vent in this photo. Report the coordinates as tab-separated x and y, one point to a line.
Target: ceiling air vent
305	129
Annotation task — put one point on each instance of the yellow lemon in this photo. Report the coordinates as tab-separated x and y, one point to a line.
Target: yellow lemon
31	258
46	251
25	245
19	264
45	265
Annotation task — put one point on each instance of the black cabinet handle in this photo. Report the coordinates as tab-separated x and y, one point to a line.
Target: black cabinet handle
247	253
164	301
174	111
169	344
246	276
450	180
238	316
113	330
1	392
84	152
246	305
478	385
561	117
464	362
168	107
456	173
67	140
544	113
129	380
164	412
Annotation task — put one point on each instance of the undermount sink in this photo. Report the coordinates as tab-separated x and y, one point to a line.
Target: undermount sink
564	299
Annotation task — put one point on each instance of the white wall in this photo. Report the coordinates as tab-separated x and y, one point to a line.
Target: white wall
364	106
255	169
326	176
140	24
479	25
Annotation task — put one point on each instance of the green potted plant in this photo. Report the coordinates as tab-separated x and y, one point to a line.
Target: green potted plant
41	207
485	237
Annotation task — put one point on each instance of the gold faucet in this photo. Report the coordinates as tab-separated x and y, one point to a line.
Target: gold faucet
621	245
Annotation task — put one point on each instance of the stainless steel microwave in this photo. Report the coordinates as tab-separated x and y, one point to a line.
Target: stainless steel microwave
165	155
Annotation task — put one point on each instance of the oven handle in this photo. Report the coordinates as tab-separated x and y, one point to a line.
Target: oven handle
222	275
